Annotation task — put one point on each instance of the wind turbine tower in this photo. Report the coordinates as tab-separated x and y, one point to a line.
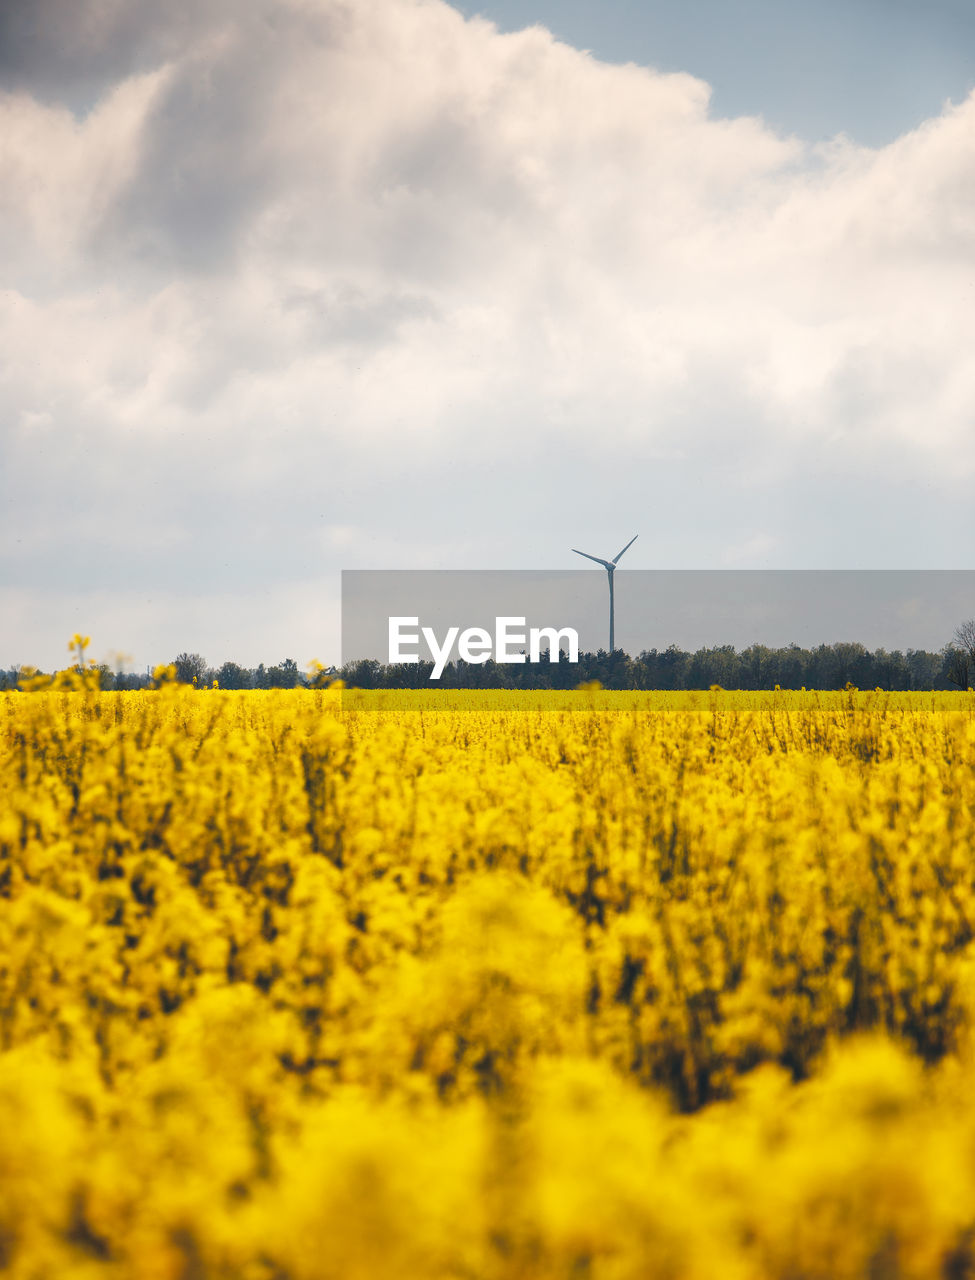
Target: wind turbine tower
610	567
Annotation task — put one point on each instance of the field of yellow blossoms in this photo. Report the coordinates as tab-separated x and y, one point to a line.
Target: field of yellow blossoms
311	985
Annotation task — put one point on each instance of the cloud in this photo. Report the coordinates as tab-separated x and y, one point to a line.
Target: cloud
76	50
328	266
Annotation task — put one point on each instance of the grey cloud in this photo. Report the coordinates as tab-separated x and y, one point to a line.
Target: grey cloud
204	166
71	51
348	314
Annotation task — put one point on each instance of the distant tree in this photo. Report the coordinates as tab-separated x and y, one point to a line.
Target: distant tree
233	676
758	667
924	668
956	666
106	676
959	655
190	667
964	638
364	674
283	676
132	680
673	668
796	664
719	665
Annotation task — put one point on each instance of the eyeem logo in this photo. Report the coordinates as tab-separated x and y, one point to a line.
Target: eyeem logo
476	644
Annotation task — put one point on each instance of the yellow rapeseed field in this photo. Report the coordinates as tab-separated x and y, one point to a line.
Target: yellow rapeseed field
310	985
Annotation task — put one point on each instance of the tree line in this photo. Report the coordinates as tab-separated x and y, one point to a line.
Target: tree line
757	667
190	668
828	666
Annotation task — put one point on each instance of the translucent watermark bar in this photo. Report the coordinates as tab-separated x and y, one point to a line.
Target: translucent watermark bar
437	618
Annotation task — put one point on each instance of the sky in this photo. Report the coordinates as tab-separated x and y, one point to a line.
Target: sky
311	285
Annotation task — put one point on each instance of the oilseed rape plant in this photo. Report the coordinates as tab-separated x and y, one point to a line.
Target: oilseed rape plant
317	985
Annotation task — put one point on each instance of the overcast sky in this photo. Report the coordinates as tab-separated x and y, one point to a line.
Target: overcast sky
294	286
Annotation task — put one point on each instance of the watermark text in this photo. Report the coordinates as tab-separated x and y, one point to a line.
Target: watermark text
512	641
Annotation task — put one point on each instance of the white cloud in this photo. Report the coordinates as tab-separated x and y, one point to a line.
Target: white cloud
370	266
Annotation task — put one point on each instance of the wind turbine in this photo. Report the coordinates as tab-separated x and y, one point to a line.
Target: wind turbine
610	567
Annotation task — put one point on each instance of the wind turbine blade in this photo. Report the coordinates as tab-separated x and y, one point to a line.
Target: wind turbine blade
604	563
626	548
